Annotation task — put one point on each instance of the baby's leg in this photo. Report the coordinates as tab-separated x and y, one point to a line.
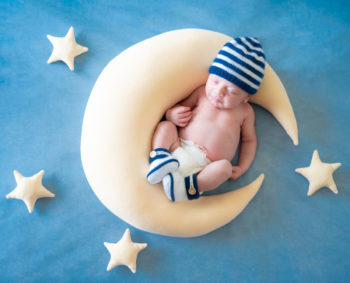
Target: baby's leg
213	175
166	136
162	162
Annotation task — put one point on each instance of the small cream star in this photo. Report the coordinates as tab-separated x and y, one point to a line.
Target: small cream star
65	49
29	189
124	252
319	174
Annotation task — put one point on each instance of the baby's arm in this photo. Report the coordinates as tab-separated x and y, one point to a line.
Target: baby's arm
248	145
181	113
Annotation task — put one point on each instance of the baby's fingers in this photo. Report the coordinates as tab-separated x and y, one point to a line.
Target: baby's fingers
185	115
184	120
183	109
236	172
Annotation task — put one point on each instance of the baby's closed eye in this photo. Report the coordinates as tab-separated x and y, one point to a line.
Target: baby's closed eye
231	90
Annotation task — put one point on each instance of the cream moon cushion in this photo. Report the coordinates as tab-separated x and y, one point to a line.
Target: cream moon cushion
125	105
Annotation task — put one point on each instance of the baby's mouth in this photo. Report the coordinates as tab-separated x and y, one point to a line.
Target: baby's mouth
216	99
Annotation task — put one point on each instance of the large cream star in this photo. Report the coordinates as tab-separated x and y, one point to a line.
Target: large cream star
319	174
124	252
29	189
65	49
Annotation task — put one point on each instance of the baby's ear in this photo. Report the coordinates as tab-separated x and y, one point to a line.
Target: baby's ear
246	100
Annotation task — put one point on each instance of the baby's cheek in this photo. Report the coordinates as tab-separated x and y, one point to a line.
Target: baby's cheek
211	89
207	91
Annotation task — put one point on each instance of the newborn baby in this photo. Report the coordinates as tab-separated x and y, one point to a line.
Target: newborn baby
193	148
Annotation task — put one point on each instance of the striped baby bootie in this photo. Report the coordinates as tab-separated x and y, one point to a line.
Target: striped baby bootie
161	163
179	188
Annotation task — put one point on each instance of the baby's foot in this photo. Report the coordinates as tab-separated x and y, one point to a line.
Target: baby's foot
161	164
178	188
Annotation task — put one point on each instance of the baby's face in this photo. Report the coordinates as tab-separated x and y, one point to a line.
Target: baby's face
224	94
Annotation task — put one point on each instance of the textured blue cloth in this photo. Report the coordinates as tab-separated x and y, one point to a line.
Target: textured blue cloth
242	62
282	235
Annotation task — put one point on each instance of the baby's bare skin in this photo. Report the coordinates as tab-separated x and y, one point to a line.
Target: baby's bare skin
215	117
217	130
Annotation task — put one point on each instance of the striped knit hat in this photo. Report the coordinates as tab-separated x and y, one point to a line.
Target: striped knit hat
242	62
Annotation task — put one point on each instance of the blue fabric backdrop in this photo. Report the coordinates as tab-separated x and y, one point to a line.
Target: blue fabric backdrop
282	236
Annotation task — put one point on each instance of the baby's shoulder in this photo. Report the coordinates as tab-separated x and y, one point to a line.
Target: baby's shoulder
246	111
200	90
199	93
248	108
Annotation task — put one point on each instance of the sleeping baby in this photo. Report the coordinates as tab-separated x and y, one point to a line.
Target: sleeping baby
193	148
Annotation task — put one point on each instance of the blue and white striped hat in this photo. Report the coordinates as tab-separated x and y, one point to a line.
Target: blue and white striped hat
242	62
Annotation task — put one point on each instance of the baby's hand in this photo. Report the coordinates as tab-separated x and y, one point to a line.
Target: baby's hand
237	172
179	115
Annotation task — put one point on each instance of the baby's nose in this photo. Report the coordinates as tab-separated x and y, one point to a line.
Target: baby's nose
221	92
